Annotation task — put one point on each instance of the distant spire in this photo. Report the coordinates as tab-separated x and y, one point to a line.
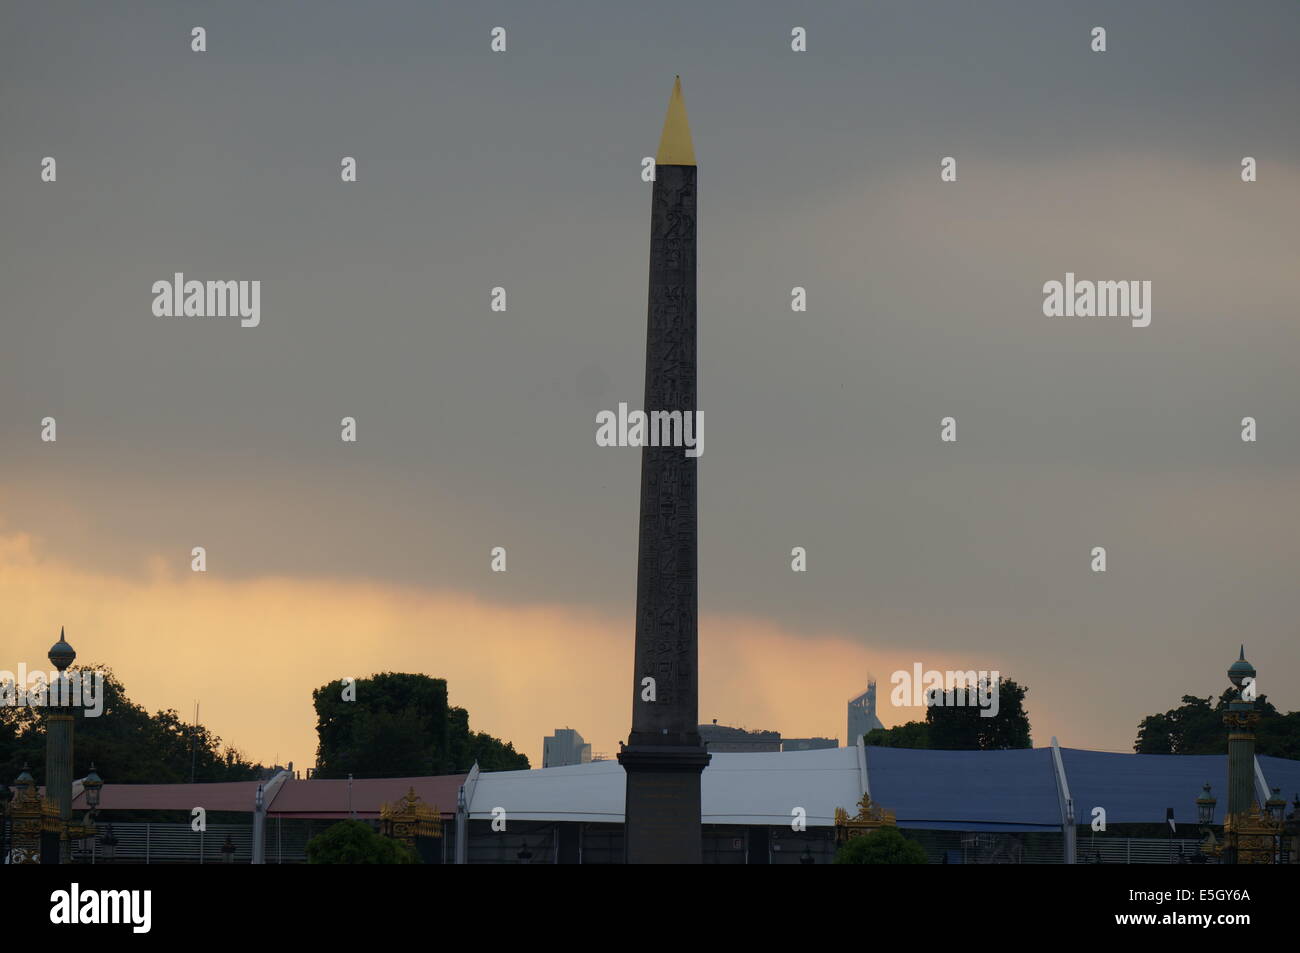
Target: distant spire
675	146
1242	656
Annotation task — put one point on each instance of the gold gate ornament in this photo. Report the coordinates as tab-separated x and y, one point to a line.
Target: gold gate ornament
409	818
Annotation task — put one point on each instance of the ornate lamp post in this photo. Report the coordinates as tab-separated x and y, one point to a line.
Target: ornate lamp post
1250	834
109	844
58	748
1205	806
43	828
93	785
1205	818
1276	806
1275	811
27	820
1291	833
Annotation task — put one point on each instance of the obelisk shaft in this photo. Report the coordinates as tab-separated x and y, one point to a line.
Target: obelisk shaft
664	755
667	581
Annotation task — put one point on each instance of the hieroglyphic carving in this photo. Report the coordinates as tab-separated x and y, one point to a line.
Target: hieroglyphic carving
667	586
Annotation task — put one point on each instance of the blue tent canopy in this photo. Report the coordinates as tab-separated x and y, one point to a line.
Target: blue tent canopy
1018	790
966	790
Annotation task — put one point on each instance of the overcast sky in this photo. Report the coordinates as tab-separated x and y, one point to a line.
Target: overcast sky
477	428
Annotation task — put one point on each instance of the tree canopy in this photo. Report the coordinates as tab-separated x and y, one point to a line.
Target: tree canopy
885	845
962	727
125	742
356	842
400	725
1196	727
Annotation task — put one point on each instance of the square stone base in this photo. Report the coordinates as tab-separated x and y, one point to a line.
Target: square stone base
662	808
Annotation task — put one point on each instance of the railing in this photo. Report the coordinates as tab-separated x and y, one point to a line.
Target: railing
1136	850
1045	848
176	843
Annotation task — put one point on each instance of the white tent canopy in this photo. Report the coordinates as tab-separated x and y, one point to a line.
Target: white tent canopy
749	788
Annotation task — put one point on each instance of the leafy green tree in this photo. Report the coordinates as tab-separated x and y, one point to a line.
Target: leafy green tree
397	726
400	725
884	845
126	743
493	754
356	842
961	727
912	734
1196	727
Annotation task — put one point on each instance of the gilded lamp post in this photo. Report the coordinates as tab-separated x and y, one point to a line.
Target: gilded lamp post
1251	835
58	744
43	829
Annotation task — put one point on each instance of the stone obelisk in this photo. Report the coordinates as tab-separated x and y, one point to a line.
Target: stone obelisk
664	757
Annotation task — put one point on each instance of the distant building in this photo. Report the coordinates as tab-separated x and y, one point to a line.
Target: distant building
862	714
722	738
564	747
808	744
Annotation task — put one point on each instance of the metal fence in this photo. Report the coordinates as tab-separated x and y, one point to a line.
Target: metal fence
286	843
1045	847
177	843
1136	850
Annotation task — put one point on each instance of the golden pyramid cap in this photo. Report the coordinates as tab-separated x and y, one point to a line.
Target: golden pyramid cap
675	146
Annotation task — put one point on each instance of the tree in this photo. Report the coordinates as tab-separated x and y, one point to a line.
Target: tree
126	743
957	725
400	725
964	727
913	734
884	845
356	842
1196	727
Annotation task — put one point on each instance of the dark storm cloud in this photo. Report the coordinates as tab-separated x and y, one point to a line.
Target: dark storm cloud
476	428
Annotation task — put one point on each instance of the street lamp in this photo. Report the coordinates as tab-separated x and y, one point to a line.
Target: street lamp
92	784
1276	806
109	843
1243	831
1290	832
1275	810
26	820
1205	806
